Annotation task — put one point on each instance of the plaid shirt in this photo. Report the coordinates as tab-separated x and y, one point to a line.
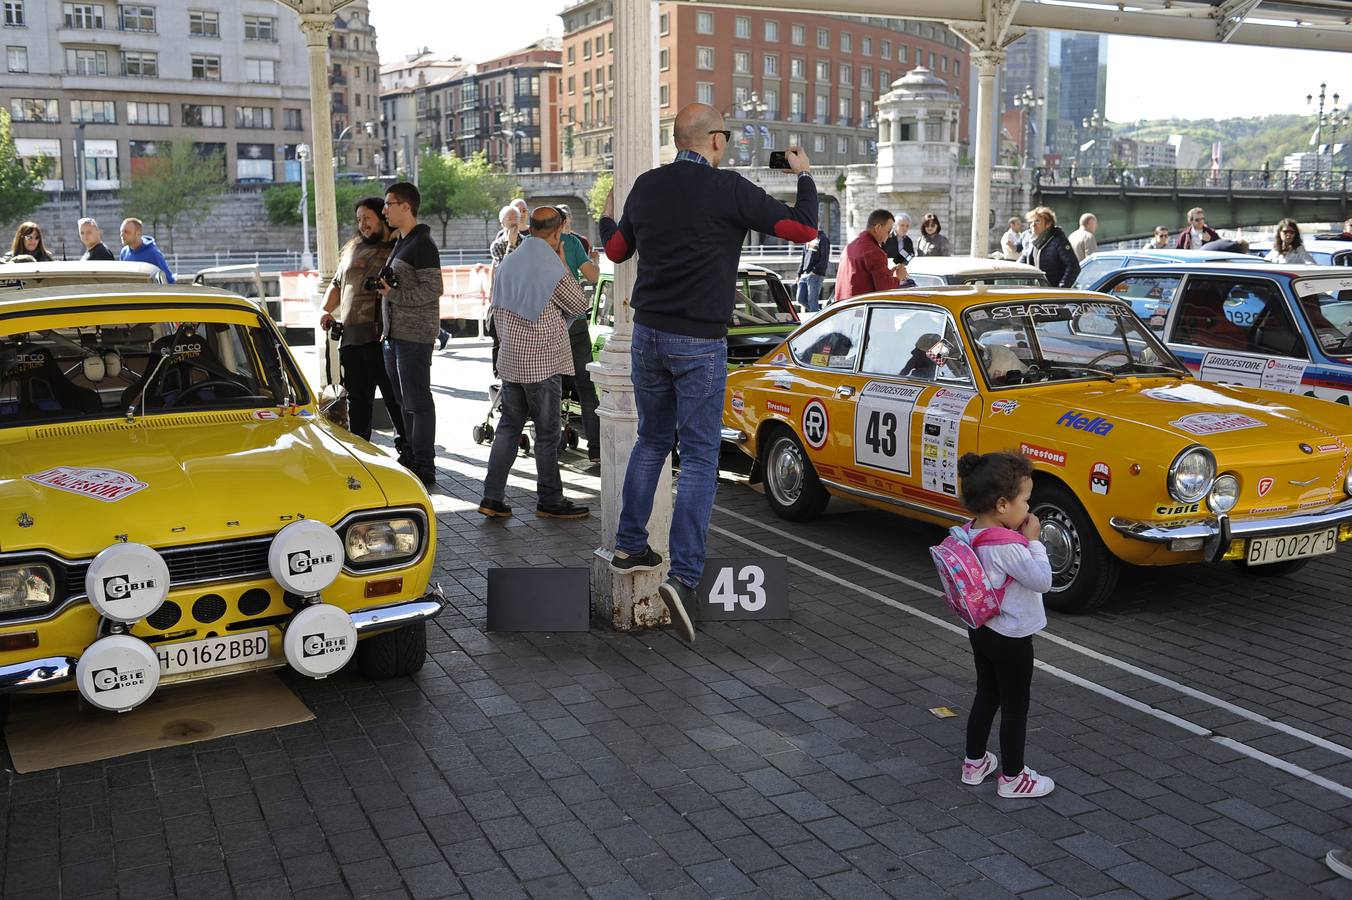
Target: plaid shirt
534	351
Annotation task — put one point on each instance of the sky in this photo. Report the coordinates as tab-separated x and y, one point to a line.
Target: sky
1147	78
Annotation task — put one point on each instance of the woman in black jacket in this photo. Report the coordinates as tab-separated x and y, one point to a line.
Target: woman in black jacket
1050	249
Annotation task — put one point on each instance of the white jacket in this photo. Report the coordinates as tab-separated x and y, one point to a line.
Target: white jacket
1030	576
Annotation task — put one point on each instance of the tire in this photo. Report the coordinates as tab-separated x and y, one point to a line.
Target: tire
1084	573
478	433
1273	570
393	654
525	445
792	487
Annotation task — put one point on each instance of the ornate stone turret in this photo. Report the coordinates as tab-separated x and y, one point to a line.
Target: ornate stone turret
918	134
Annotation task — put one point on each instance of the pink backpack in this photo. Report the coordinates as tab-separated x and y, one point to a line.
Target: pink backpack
967	590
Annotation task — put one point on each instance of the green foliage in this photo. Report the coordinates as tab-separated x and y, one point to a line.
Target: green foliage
282	201
1245	143
181	183
600	189
451	186
20	184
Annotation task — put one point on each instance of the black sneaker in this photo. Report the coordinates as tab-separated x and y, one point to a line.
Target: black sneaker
429	479
646	561
494	509
678	597
564	509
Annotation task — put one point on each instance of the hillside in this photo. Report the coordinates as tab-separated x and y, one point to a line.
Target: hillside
1245	143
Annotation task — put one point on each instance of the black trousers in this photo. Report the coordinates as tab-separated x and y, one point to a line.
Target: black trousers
580	341
363	372
1004	675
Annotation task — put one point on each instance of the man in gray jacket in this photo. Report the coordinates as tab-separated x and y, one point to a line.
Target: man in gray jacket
411	307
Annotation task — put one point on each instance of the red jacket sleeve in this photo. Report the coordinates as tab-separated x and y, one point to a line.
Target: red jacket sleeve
879	273
763	213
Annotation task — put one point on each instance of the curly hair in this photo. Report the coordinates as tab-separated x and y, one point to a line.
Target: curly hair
986	479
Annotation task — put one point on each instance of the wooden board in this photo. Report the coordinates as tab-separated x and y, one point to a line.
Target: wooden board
52	730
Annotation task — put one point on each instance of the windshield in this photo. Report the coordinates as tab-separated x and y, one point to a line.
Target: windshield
1326	304
1094	269
100	371
1007	280
761	300
1027	343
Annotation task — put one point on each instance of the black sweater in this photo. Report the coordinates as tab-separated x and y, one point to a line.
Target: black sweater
687	221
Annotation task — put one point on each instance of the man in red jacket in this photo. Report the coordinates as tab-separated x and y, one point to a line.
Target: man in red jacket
864	267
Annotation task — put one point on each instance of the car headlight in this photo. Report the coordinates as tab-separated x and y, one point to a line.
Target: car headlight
374	541
1191	474
1347	482
25	586
1224	494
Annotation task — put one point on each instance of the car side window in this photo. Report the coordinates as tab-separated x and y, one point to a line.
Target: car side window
913	343
832	342
605	306
1273	329
1151	297
1223	314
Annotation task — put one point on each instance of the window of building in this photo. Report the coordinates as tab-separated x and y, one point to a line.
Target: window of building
253	116
865	111
572	57
931	59
198	116
919	56
83	15
202	23
260	71
663	24
600	46
865	77
823	38
137	18
796	106
206	68
260	28
586	49
772	31
704	92
843	146
957	68
901	53
823	70
798	35
741	62
704	23
663	60
846	73
664	94
771	67
740	98
846	42
843	110
34	110
100	171
14	15
610	41
866	45
148	113
885	49
572	84
704	58
795	139
86	62
140	65
822	107
797	67
586	80
943	64
742	27
861	147
771	98
16	59
102	112
884	79
819	143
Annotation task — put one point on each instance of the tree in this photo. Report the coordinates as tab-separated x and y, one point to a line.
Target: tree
282	201
20	182
600	189
451	186
180	183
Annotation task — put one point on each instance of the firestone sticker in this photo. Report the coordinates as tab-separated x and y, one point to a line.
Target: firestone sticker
1043	454
1215	423
108	485
782	408
1265	485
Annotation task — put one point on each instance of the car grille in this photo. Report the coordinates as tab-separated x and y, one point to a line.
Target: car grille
235	560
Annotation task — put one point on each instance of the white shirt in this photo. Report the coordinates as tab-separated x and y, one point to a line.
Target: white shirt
1029	577
1198	239
1010	244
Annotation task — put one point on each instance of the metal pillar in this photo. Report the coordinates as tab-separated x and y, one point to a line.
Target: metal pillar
629	601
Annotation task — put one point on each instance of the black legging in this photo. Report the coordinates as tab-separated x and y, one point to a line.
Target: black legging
1004	674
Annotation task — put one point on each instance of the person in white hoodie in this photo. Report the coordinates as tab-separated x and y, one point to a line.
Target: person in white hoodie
996	488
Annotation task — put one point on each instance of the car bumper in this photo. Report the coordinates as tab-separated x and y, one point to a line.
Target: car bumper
1213	535
733	436
52	671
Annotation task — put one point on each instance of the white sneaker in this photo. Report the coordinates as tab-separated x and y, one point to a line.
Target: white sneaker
1026	785
976	773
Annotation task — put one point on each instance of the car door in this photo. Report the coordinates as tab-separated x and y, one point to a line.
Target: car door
601	323
823	387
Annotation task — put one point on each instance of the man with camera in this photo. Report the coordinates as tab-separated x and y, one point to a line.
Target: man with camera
354	294
411	306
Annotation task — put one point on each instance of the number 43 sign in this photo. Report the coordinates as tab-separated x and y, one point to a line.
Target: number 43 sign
749	587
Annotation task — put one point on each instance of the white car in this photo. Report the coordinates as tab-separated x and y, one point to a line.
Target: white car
25	276
928	271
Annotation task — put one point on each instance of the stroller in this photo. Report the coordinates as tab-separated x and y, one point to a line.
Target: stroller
483	432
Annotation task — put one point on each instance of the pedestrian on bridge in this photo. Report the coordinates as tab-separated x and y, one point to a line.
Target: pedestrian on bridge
1198	231
1287	247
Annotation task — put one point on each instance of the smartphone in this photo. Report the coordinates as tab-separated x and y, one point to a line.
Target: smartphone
779	159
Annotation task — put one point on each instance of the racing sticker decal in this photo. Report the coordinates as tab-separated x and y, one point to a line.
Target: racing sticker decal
1100	478
882	426
1043	454
1180	510
782	408
816	424
1265	485
939	441
738	401
780	359
1004	407
1252	371
266	415
1215	423
108	485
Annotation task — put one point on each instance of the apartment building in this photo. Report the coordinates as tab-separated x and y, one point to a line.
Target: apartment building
780	78
354	88
229	75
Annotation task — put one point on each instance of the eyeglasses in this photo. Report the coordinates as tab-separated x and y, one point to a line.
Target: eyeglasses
389	203
727	135
1197	219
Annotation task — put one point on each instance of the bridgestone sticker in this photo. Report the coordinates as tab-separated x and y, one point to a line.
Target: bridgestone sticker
108	485
816	424
939	442
1215	423
882	426
1252	371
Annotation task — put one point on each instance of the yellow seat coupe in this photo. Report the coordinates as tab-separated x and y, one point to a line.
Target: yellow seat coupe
1137	462
173	507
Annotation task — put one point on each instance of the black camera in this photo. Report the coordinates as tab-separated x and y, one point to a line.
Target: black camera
335	330
386	275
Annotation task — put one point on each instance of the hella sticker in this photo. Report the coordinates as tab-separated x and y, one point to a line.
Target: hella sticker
1265	485
1100	478
1097	425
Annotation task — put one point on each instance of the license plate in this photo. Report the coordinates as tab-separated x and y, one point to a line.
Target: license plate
212	653
1292	546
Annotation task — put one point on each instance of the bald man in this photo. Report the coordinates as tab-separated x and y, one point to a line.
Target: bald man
687	221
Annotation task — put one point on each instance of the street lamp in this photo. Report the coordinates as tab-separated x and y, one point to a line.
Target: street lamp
756	108
368	127
1333	120
307	261
1093	126
1028	102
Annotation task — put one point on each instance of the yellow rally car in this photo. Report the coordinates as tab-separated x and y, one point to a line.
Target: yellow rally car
172	507
1136	461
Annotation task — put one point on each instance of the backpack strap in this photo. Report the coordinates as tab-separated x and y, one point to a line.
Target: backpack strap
997	536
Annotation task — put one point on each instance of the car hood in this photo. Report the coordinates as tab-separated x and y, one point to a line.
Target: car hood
748	343
74	489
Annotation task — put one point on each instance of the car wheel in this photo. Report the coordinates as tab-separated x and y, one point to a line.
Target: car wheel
1272	570
1084	573
392	654
792	487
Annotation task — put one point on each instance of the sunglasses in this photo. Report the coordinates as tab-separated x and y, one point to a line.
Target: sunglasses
727	135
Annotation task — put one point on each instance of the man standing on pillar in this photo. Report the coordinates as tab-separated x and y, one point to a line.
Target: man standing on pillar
687	220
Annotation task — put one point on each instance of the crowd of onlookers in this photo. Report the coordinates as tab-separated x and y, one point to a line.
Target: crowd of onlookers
137	246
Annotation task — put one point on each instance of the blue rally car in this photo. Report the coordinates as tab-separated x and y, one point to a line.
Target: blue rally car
1288	328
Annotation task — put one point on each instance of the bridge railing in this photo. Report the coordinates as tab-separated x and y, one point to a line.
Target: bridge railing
1060	177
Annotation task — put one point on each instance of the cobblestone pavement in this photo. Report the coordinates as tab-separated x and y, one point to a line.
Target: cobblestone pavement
784	759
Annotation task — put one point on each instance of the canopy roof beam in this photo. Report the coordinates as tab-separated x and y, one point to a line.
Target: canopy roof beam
1230	15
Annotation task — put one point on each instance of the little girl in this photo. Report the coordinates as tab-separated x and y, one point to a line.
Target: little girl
995	489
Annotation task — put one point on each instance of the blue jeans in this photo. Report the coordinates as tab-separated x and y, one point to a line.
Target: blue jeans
809	291
538	401
409	365
678	389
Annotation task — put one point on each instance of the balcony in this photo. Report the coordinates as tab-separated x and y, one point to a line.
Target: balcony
339	107
337	78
